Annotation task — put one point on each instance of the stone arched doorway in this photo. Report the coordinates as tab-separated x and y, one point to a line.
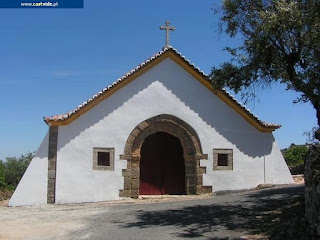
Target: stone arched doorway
192	153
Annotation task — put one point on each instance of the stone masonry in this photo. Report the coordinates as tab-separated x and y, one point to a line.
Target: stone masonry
52	163
312	190
191	148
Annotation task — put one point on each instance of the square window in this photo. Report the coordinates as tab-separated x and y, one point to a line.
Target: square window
103	159
222	159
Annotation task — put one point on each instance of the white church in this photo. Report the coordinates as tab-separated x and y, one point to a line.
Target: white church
159	129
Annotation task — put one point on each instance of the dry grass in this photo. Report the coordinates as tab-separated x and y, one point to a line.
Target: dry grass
5	194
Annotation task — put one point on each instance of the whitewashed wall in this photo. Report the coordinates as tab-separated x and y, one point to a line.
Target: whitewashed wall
32	189
165	89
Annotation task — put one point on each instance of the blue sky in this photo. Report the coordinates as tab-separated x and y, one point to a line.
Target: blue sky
51	60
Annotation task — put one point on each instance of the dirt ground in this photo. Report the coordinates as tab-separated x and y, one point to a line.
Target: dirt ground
4	203
58	221
35	223
298	179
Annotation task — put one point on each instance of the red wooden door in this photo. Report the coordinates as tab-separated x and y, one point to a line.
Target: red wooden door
162	165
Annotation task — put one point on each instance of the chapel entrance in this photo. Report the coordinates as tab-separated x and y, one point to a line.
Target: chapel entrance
162	168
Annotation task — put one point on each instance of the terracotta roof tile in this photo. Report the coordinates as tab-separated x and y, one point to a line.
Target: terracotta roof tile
62	117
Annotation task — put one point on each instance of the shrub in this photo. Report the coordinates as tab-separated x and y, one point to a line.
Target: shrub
2	175
295	154
14	169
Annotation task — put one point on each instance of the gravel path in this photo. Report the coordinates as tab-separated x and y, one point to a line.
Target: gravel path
246	215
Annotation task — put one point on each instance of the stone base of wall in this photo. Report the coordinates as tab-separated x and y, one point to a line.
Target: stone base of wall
312	190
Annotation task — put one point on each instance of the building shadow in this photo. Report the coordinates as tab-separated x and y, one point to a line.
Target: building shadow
255	214
236	215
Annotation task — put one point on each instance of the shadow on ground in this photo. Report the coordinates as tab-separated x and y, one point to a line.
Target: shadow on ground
254	213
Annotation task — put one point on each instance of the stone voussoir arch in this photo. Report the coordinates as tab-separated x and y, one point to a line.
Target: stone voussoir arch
190	143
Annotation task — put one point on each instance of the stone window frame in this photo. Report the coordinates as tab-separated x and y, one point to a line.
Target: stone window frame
216	152
95	159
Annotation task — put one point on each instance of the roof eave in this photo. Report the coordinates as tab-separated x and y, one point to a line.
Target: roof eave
61	120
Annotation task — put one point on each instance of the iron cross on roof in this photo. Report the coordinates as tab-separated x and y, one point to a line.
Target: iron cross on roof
167	28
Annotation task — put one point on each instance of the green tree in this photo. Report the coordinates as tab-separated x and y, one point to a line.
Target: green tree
2	178
15	168
281	43
295	154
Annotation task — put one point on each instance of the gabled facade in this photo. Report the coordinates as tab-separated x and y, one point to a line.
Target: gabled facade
160	129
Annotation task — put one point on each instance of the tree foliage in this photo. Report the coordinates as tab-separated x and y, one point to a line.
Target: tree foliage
2	178
281	43
295	155
14	169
